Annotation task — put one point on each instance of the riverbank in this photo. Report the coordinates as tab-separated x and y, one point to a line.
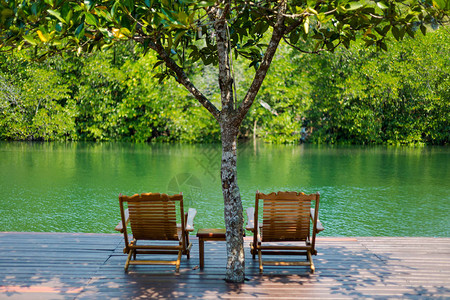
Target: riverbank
90	266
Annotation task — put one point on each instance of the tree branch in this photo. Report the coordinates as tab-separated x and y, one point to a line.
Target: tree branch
301	50
182	78
277	34
219	16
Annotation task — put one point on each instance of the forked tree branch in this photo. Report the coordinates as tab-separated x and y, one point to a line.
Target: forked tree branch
182	78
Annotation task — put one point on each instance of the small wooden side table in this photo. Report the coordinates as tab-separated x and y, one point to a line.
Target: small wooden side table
208	234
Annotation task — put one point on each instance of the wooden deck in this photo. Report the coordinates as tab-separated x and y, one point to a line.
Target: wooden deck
90	266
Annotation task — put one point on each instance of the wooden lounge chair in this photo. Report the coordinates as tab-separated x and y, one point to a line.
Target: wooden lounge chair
285	228
153	217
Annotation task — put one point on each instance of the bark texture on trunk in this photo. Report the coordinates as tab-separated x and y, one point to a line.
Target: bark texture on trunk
233	211
234	218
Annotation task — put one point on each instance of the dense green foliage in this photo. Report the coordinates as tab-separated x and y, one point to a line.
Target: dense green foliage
35	102
351	96
401	96
99	97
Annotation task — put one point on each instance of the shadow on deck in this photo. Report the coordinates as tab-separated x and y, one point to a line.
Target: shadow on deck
90	266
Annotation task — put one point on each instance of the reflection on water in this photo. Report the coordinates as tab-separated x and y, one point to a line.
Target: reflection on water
365	191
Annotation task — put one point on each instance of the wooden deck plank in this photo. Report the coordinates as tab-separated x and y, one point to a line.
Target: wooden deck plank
90	266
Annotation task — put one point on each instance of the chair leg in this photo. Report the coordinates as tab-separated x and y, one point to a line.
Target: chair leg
188	249
313	268
252	250
127	263
134	251
177	267
260	261
187	246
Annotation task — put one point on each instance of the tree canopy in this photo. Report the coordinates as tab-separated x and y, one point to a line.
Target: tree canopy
174	27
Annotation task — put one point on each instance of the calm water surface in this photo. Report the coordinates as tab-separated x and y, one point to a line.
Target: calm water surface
365	191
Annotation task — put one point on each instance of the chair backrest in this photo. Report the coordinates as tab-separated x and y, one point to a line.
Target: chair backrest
153	216
286	216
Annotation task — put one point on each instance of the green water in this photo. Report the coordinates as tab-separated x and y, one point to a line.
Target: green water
365	191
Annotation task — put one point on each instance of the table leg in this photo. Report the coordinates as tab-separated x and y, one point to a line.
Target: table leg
201	247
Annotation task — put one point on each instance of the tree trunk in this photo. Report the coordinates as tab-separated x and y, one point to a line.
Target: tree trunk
234	218
230	118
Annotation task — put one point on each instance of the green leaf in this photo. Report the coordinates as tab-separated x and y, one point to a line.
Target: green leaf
114	8
58	27
205	3
341	9
79	29
256	29
90	19
402	32
157	19
410	32
423	29
34	8
330	46
105	14
69	16
89	4
264	27
293	38
379	30
178	36
346	43
369	42
312	10
169	15
382	5
182	17
317	36
158	64
354	6
57	15
396	33
125	31
30	39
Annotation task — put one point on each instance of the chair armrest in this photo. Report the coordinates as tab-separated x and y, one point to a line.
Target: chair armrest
119	226
319	226
250	219
192	212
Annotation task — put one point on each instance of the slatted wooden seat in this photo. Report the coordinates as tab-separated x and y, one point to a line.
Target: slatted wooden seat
285	228
153	217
